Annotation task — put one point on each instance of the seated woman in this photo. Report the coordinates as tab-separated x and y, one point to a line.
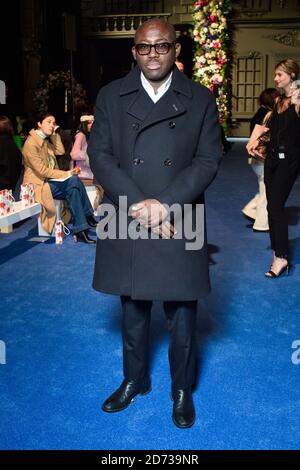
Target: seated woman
79	150
50	183
81	158
10	156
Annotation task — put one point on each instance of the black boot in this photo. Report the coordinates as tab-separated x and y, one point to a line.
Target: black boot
125	394
83	237
183	408
91	221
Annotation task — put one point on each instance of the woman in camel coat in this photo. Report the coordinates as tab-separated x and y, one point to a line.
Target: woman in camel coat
50	183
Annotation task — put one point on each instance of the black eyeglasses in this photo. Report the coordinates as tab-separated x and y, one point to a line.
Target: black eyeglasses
160	48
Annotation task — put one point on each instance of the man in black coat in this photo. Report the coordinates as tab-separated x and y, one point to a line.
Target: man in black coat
155	147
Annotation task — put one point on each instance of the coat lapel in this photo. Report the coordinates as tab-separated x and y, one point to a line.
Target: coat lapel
167	107
137	104
141	106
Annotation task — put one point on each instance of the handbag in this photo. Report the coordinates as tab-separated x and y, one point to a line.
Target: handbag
27	194
261	135
261	148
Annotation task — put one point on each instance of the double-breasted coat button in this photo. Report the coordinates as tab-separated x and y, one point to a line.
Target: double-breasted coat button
137	161
168	162
136	126
172	124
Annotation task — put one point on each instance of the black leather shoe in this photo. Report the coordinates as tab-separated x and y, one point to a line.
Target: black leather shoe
91	221
83	237
183	408
125	394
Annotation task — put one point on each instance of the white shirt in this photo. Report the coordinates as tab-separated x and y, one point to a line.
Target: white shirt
160	91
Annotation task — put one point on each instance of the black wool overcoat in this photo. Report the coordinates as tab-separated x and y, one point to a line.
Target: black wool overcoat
169	151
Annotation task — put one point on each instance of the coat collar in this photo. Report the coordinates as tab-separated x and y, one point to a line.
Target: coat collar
38	140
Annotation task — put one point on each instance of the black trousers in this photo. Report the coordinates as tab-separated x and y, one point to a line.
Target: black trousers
279	176
181	318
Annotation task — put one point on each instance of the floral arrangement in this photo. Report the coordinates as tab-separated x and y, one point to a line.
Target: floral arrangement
211	36
51	81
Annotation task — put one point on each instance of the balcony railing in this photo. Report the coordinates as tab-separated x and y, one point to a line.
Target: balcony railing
119	26
251	7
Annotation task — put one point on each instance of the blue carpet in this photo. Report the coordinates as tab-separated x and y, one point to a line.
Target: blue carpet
64	351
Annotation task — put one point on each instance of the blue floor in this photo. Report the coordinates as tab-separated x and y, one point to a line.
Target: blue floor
63	345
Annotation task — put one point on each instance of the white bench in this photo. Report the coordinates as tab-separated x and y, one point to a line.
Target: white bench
19	213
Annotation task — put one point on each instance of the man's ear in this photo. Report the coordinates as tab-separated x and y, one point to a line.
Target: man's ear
133	52
177	49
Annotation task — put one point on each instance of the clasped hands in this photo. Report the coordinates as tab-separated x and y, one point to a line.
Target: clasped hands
150	213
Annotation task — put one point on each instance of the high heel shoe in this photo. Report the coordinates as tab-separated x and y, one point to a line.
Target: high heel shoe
91	221
83	237
271	274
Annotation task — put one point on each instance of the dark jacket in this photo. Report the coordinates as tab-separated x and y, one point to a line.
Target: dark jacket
285	134
169	151
10	163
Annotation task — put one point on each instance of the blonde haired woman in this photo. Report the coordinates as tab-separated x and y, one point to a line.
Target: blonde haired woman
282	165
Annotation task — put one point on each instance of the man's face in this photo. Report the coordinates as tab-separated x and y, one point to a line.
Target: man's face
156	67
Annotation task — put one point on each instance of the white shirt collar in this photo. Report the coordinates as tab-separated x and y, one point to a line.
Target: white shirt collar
160	91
